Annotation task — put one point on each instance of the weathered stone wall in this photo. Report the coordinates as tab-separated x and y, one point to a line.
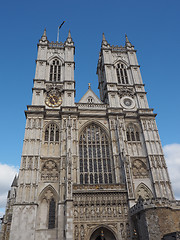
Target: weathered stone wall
155	219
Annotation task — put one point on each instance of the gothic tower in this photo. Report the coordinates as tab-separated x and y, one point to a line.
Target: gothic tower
85	164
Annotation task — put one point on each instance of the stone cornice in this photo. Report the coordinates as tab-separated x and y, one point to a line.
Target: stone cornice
38	79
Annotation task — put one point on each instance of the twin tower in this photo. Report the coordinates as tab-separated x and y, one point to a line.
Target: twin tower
95	169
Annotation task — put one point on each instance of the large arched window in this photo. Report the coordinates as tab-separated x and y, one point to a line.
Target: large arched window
122	73
55	71
47	209
51	133
132	133
95	156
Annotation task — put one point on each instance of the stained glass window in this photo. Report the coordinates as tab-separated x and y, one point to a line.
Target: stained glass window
95	160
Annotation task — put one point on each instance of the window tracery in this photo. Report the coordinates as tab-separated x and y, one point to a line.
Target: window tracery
47	209
94	156
55	71
132	133
51	133
121	72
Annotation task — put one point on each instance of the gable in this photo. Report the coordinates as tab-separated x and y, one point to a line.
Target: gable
90	97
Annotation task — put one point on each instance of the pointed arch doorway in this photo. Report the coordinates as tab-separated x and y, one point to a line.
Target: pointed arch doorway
102	233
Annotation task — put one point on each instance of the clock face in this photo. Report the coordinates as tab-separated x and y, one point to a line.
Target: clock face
53	100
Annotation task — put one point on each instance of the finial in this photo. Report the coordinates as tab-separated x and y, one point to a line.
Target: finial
104	42
69	34
69	40
89	85
44	34
104	39
44	37
14	183
127	42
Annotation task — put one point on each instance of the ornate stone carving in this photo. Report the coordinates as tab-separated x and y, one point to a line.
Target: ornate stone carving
139	169
76	232
49	171
126	91
143	191
93	207
54	88
82	232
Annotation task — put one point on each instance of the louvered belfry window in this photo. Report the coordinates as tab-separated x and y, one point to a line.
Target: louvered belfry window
95	156
55	71
122	73
132	134
52	133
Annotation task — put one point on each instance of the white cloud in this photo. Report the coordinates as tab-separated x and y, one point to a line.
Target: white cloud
172	156
7	174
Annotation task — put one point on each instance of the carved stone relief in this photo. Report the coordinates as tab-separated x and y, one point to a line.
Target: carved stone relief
95	207
139	169
126	91
143	191
49	171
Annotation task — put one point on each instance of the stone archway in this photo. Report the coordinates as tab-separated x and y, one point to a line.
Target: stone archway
102	233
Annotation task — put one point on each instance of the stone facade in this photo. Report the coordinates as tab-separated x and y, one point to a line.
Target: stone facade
155	218
85	164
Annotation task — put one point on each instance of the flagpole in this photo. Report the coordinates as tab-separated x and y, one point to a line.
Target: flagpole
58	30
58	34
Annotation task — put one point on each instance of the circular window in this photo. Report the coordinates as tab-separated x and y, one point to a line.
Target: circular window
127	102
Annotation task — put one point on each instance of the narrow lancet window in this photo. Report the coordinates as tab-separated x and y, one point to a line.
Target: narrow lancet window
52	213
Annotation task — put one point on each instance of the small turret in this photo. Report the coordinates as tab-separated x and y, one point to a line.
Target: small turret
104	42
44	37
69	40
128	43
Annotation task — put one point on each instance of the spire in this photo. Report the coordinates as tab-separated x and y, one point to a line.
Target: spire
104	42
104	39
14	183
44	34
69	40
44	37
127	43
69	34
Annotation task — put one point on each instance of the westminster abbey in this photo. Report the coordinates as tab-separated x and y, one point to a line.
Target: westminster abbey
93	169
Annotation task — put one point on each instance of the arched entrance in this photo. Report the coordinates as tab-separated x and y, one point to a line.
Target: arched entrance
102	233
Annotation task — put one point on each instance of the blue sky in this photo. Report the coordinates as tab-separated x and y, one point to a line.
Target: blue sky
152	26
